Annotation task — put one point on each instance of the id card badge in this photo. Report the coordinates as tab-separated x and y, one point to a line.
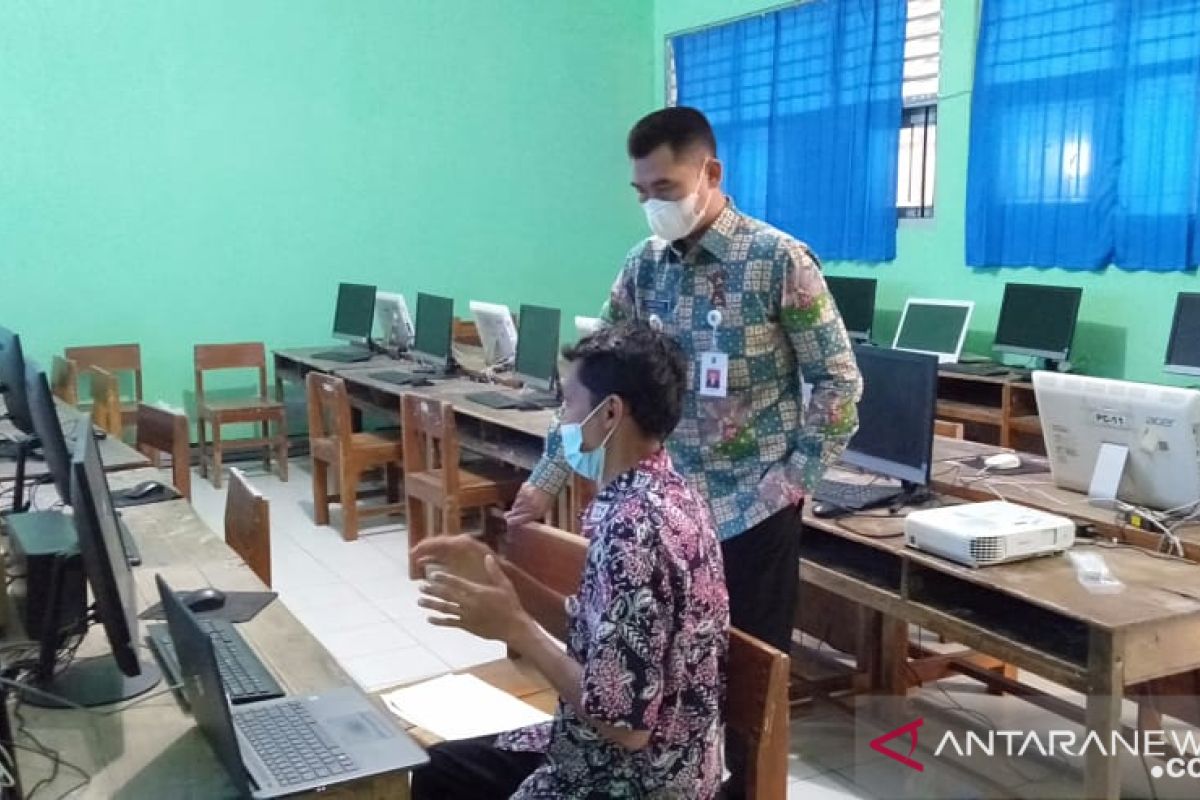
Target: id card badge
714	374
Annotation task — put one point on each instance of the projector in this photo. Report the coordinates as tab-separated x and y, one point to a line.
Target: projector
982	534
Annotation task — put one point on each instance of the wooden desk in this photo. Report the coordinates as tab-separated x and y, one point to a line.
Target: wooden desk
999	409
295	363
115	454
154	749
1034	615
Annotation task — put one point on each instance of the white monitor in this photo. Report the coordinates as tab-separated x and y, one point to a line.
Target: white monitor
1159	426
586	326
496	331
394	323
934	327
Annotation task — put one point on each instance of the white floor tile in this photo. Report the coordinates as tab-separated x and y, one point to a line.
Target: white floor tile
394	667
828	786
378	638
456	647
330	619
391	590
333	595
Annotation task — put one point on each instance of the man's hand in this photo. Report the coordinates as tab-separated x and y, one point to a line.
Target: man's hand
489	609
532	505
462	555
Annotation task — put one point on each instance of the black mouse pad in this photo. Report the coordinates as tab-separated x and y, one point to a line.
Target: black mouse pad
122	500
239	607
1030	465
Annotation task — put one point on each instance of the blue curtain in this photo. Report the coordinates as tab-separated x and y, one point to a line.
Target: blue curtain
1084	146
806	105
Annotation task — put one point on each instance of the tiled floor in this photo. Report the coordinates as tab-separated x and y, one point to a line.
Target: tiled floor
356	597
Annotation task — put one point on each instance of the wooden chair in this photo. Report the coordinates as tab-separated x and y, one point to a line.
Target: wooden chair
466	332
333	443
64	380
261	409
950	430
248	525
433	477
756	703
161	431
106	401
114	359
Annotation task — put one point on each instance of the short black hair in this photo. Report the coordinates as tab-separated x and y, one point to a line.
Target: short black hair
642	366
680	128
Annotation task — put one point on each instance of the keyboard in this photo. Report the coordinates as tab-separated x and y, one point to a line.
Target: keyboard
246	679
503	401
855	496
290	743
977	368
401	378
348	355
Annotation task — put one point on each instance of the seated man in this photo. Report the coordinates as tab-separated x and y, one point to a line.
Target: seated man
642	678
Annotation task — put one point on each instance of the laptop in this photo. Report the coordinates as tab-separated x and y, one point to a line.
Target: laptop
275	748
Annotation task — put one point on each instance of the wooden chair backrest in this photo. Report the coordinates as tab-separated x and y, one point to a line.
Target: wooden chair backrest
244	355
466	332
106	401
113	358
329	409
163	431
756	705
64	380
430	439
248	525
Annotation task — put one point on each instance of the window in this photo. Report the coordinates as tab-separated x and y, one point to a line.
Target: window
918	125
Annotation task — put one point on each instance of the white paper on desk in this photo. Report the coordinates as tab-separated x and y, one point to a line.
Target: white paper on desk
461	707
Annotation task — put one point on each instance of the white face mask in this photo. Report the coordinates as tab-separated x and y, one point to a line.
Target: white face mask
675	219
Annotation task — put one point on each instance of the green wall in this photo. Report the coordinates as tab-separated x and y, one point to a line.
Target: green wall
178	172
1125	316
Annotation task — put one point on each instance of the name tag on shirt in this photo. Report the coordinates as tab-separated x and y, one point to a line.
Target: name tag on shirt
714	374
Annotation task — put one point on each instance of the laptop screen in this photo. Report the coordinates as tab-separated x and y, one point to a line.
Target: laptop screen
202	685
930	327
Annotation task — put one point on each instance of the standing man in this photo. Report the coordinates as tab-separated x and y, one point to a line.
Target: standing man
749	306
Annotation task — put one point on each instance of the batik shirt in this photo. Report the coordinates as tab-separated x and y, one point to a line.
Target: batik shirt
755	451
650	628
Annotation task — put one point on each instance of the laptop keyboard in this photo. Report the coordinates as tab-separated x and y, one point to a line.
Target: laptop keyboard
975	368
854	496
347	356
243	674
291	744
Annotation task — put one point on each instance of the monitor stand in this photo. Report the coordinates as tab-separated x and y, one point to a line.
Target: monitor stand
95	681
20	451
1107	474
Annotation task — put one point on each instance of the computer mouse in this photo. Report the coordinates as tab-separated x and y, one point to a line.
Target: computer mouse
206	599
144	489
1002	461
826	510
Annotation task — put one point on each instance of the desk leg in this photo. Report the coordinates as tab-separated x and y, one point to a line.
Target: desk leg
893	658
1106	683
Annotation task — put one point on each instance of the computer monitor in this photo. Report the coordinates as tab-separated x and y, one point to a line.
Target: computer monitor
855	298
355	308
895	415
1157	425
392	320
435	330
1038	320
537	347
586	326
120	675
49	430
496	330
934	327
12	378
1183	348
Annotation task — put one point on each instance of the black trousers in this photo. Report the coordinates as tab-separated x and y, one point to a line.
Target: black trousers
472	769
762	575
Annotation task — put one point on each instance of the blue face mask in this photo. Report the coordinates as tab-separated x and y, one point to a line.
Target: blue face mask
590	464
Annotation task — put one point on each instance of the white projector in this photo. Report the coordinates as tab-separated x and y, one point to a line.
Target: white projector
981	534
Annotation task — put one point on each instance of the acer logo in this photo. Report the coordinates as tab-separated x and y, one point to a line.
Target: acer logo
910	729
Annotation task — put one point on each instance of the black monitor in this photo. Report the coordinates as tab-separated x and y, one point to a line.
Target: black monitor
895	415
355	312
1038	320
855	298
537	347
435	330
12	378
49	430
1183	348
120	675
